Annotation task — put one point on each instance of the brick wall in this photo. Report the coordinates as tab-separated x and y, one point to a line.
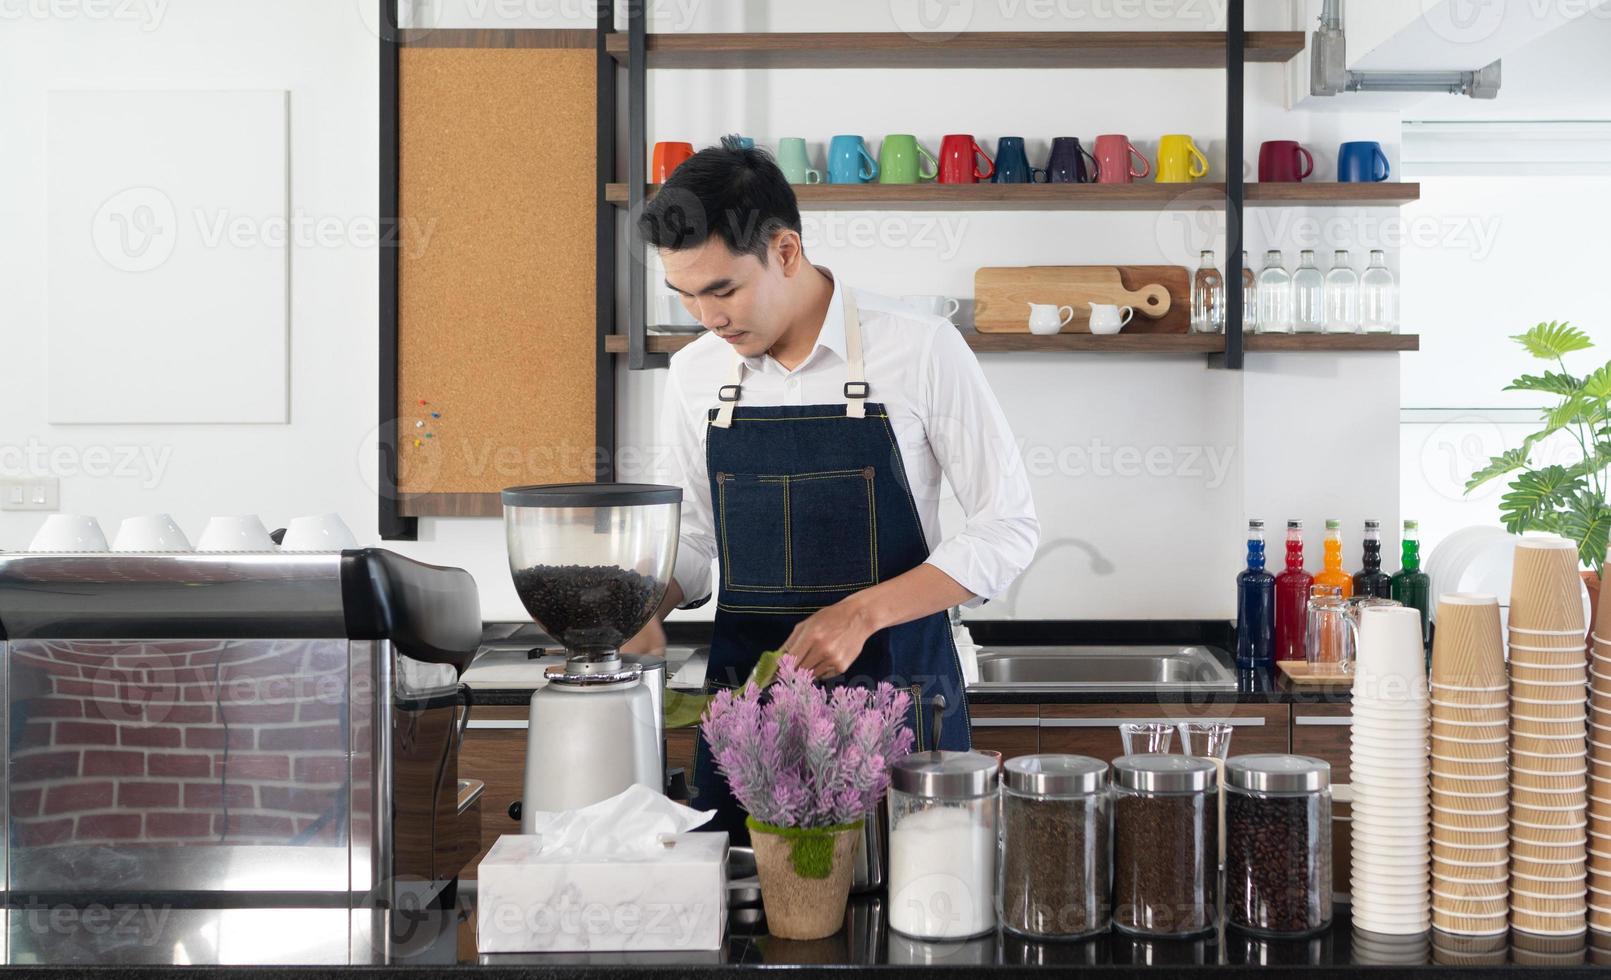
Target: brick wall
195	742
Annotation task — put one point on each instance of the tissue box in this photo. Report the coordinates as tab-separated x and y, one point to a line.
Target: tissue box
674	898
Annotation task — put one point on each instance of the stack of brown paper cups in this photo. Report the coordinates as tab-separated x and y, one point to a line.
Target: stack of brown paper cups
1390	887
1599	856
1470	709
1548	749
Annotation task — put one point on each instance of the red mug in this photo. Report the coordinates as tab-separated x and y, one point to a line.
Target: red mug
1113	154
668	157
1284	162
959	161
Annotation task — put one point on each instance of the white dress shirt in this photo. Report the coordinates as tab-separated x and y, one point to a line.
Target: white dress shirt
946	420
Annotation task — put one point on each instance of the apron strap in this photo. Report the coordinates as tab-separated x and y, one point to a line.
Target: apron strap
728	395
856	387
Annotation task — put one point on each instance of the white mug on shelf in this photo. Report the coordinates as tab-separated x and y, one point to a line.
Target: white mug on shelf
242	532
946	306
69	532
1048	318
1109	319
150	532
319	532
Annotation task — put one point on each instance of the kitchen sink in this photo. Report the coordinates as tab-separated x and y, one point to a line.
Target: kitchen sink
1104	668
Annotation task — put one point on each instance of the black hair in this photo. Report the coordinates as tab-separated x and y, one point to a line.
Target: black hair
739	196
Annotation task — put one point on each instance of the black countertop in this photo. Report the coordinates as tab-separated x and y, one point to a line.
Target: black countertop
443	943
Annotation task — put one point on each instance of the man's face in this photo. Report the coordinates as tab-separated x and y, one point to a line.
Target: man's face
735	297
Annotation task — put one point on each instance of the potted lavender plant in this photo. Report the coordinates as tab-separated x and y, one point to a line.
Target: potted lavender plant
808	766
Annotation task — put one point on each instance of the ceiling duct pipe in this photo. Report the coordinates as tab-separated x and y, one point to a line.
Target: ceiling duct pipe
1329	73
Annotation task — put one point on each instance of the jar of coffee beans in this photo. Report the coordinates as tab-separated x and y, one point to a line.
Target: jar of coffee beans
1056	862
1278	843
1165	834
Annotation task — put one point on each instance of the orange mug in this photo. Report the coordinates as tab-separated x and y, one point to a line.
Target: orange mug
668	157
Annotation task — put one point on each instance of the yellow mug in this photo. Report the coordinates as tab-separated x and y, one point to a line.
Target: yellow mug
1179	160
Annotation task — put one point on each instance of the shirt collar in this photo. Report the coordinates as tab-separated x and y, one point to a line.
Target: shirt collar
831	337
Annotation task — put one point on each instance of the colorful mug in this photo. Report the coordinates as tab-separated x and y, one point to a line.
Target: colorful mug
1284	162
1012	163
1066	164
1179	160
794	162
1362	162
1113	154
668	157
959	163
849	162
902	159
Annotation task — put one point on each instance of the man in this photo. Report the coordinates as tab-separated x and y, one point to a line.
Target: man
809	429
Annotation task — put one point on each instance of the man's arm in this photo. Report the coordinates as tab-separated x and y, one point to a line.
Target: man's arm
970	437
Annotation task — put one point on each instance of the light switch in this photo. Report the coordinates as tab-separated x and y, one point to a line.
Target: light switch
30	493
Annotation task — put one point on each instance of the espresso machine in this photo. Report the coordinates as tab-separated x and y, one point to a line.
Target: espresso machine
591	563
263	745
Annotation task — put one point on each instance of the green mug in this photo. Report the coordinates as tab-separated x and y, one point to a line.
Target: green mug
794	162
900	161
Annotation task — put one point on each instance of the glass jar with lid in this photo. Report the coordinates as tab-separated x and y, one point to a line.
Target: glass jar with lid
1056	858
1278	843
942	845
1165	834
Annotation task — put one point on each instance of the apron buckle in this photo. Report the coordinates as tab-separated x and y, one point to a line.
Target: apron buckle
863	392
728	393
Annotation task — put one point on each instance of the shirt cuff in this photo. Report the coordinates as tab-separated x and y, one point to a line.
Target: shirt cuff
692	573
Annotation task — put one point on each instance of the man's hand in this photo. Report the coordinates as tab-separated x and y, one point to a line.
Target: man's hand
650	639
829	640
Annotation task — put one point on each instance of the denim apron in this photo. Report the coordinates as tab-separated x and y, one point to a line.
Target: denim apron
810	505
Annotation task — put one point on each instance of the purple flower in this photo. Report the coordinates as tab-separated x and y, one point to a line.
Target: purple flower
796	756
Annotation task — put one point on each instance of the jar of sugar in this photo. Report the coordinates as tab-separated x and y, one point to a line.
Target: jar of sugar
942	845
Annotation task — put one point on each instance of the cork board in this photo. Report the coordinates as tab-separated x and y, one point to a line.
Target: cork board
496	307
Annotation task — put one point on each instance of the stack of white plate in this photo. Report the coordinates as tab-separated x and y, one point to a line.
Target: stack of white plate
1548	750
1389	888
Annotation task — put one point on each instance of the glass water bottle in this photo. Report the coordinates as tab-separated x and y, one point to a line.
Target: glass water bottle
1250	298
1378	296
1342	295
1275	295
1207	297
1308	295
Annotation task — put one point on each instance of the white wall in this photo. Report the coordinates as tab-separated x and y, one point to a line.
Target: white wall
1116	543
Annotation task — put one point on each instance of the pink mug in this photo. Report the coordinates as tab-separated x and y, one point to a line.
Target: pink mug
1113	166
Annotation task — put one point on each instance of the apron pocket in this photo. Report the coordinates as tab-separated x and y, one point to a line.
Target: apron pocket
752	510
831	530
799	532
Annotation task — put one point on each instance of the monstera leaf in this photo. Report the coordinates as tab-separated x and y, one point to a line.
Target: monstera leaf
1553	340
1534	498
1587	520
1507	462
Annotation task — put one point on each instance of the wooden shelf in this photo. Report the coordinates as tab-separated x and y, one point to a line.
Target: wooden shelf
1332	194
971	49
1339	343
1074	197
1122	343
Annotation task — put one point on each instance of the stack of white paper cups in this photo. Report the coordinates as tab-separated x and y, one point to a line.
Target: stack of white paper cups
1548	750
1389	888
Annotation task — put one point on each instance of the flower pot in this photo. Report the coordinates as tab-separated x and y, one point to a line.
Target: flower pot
805	876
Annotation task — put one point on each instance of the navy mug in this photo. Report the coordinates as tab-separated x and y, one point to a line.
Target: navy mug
1066	164
1361	162
1012	163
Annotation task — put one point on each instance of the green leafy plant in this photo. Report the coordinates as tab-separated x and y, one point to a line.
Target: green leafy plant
1566	500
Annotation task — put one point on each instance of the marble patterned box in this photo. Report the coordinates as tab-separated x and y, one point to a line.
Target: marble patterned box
672	898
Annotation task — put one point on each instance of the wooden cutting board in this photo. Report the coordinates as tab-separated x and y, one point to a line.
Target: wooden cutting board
1161	295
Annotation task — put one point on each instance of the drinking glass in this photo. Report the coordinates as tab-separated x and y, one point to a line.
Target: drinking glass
1146	736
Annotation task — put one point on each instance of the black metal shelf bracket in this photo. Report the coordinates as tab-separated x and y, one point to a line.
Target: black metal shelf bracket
1235	192
393	526
638	355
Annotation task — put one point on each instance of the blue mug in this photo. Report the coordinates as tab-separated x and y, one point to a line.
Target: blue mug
1361	162
1012	163
849	162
